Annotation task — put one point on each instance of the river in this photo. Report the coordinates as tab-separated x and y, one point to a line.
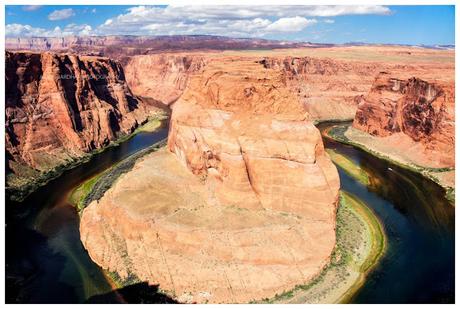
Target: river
46	262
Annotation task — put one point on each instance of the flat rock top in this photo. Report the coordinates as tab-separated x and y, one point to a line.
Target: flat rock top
169	232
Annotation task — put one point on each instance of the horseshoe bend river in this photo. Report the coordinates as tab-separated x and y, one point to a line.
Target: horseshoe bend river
46	262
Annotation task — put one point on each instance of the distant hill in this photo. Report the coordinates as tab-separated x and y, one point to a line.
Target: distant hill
118	46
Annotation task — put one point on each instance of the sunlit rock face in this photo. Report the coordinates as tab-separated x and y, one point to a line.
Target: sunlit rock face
60	106
240	206
420	109
162	77
236	124
329	89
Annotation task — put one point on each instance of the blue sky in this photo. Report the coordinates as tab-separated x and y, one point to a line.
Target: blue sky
328	24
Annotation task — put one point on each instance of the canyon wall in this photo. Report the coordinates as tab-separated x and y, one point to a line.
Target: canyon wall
329	89
60	106
161	77
422	110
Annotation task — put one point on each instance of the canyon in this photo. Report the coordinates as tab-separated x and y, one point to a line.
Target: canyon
241	204
122	46
60	107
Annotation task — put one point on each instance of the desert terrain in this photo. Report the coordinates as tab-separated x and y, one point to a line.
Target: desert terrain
241	204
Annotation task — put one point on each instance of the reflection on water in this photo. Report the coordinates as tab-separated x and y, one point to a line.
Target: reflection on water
45	260
419	265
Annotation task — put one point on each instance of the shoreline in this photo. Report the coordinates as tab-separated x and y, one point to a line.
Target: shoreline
20	193
349	266
361	242
429	173
94	187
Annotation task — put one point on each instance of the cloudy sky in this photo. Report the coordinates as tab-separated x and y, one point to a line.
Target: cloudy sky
333	24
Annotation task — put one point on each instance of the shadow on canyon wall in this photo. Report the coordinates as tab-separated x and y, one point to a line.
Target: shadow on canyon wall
139	293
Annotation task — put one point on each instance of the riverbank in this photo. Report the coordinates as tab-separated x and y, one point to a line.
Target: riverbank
360	244
352	169
95	187
18	189
344	133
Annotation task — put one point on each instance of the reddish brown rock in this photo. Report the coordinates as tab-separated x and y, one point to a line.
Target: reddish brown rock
422	110
236	124
162	77
329	89
60	106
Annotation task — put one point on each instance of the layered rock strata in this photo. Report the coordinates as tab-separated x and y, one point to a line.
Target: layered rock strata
412	108
329	89
240	208
161	77
60	106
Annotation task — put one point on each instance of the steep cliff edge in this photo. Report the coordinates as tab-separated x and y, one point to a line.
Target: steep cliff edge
415	108
329	89
59	107
236	124
161	77
241	205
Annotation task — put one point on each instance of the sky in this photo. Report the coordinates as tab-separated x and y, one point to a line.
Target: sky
415	25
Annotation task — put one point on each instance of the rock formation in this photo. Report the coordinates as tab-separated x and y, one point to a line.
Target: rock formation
244	209
60	106
329	89
161	77
422	110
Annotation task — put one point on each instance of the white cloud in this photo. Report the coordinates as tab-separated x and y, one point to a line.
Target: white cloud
243	21
19	30
290	24
329	21
235	21
93	11
29	8
61	14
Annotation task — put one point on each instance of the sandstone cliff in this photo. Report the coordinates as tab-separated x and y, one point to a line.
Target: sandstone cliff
329	89
161	77
60	106
235	123
244	209
422	110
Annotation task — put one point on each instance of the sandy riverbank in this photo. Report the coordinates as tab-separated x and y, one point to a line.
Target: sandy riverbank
401	156
360	244
78	195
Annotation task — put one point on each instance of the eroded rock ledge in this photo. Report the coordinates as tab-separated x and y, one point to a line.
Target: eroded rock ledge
241	205
412	113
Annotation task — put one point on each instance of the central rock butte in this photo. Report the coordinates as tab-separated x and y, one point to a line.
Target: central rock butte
240	206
